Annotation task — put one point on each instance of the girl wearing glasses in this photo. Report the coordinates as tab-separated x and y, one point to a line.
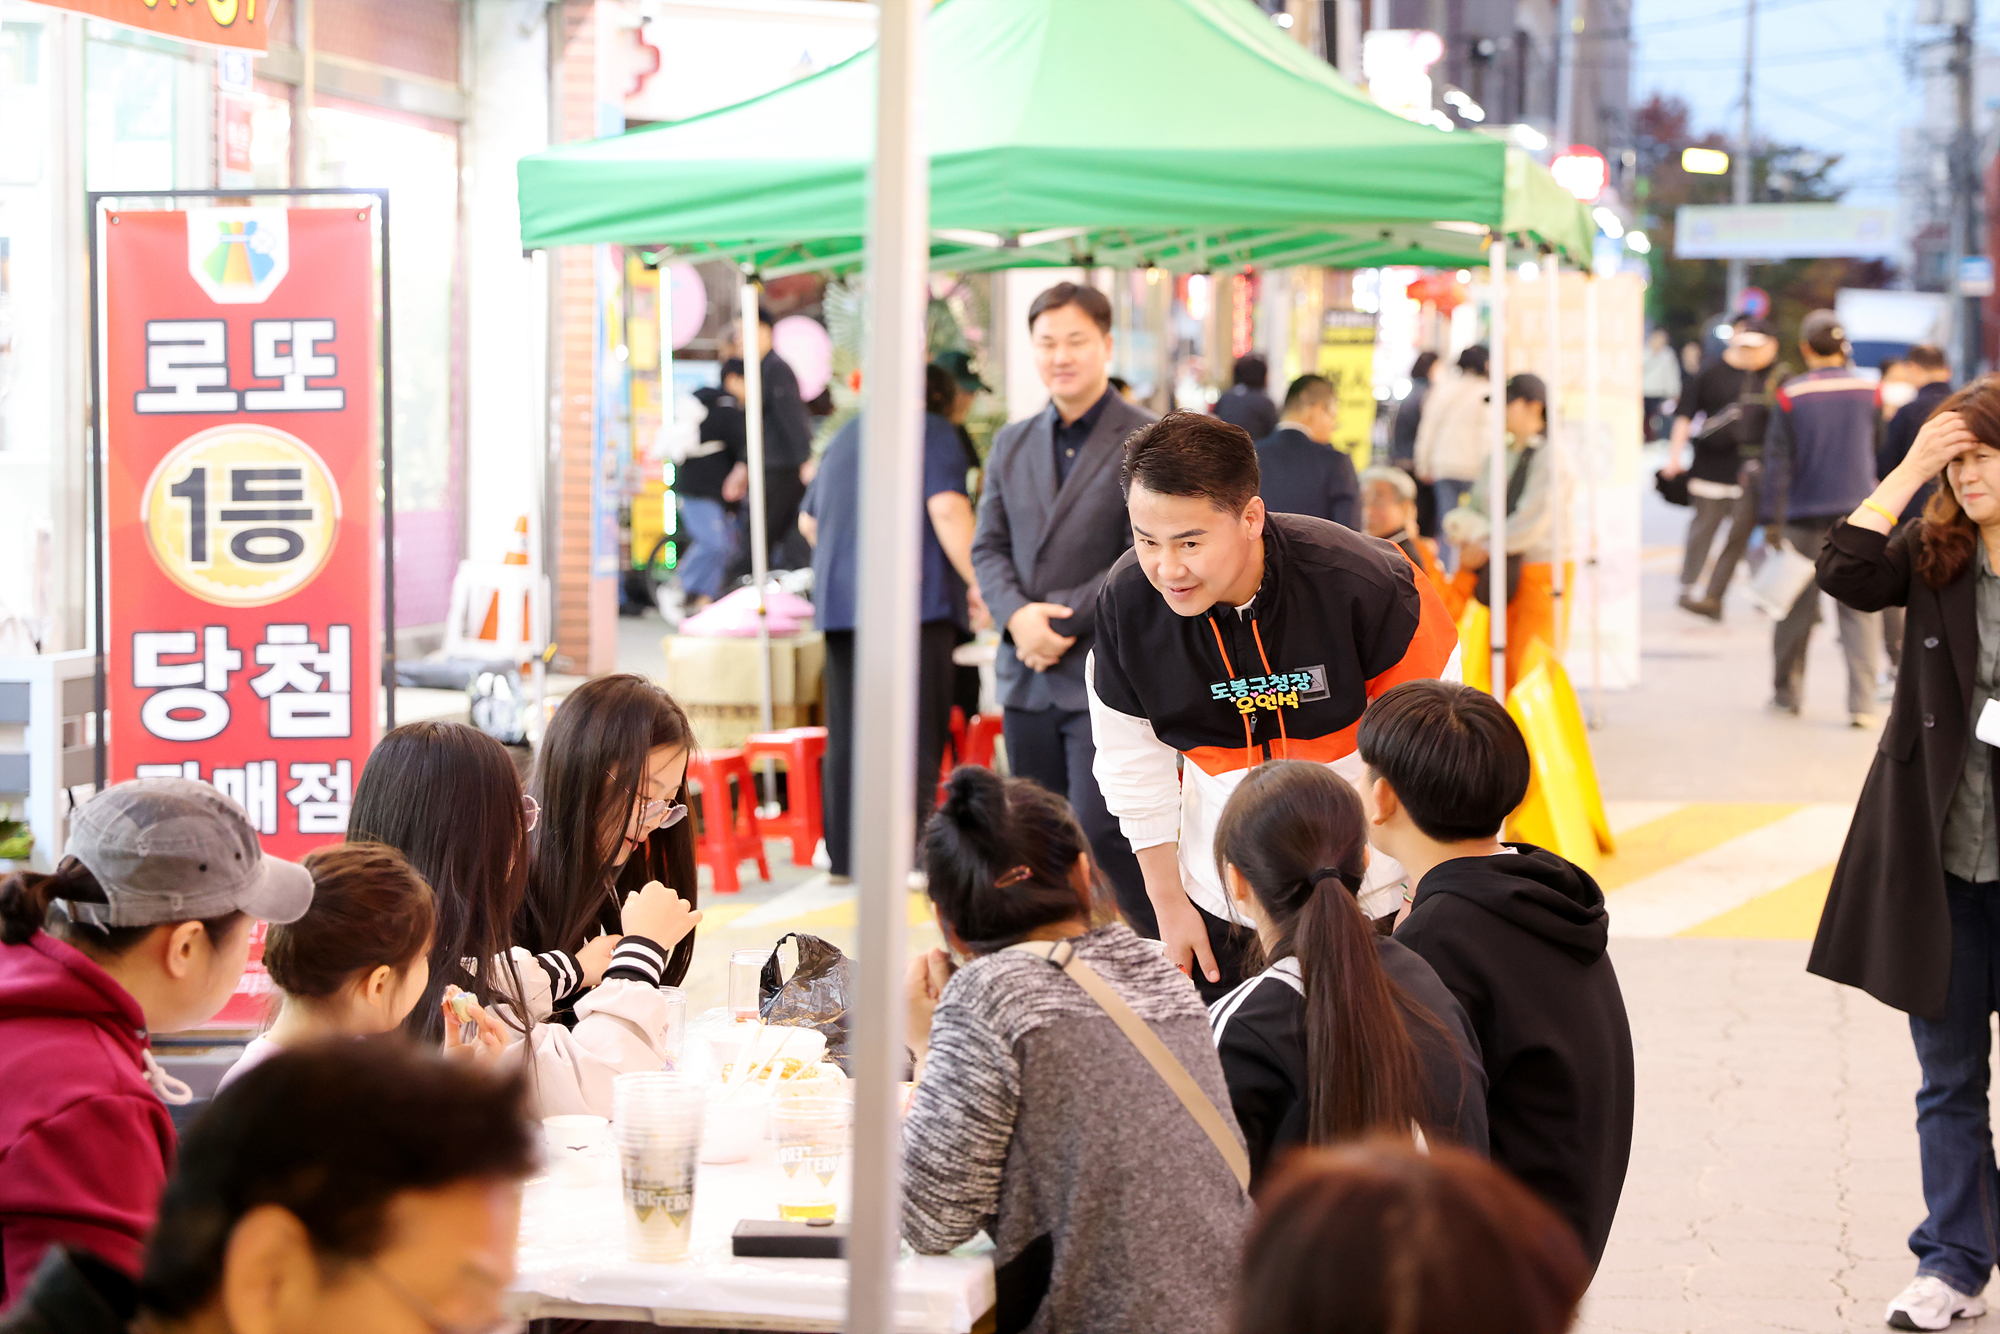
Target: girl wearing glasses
448	797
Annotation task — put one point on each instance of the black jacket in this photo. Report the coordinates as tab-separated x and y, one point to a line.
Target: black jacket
1251	409
73	1292
788	432
1045	538
1886	927
702	473
1901	433
1260	1035
1338	619
1299	475
1520	941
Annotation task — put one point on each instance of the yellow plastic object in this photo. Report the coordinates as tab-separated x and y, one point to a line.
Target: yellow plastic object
1555	813
1475	657
1576	739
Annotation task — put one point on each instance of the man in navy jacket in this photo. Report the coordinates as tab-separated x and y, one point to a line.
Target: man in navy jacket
1819	457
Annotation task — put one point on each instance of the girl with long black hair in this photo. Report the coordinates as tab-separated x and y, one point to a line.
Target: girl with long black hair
610	782
447	796
1345	1033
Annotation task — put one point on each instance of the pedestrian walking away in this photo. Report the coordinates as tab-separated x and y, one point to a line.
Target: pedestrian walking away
831	520
1455	434
1228	637
1911	915
788	436
1425	372
1051	525
1731	397
1659	380
711	480
1247	401
1820	456
1300	470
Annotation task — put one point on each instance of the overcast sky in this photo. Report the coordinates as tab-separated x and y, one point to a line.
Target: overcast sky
1830	74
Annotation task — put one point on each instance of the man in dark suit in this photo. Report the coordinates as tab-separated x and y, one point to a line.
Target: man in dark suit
1247	404
1051	523
1302	472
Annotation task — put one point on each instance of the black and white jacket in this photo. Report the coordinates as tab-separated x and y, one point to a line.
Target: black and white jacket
1260	1035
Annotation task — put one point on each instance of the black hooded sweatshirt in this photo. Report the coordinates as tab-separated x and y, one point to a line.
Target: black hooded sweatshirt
1520	941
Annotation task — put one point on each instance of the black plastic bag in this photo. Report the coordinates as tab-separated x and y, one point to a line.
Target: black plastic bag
815	996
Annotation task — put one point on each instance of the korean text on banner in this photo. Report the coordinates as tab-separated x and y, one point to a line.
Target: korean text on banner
1347	357
241	530
243	24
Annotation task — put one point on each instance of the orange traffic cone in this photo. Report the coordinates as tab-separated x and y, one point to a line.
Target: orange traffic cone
517	554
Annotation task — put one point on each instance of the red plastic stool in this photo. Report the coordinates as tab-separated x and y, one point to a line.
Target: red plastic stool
800	750
979	737
729	833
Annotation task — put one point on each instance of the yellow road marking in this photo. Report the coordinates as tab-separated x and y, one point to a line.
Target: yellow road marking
1694	828
1790	912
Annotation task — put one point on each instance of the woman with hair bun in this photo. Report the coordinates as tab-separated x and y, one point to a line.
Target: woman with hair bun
1346	1033
1035	1116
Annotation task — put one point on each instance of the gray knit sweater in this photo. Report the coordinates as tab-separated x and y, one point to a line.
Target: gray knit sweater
1039	1121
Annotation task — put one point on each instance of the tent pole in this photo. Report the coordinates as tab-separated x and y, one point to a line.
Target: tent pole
753	436
1558	508
885	677
1593	462
1496	473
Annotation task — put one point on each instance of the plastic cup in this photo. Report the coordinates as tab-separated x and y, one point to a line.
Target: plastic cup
673	1033
657	1123
813	1154
746	975
576	1147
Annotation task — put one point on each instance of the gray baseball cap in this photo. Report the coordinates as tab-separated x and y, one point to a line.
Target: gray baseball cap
175	850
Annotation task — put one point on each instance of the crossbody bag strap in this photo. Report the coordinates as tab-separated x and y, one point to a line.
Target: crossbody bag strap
1063	955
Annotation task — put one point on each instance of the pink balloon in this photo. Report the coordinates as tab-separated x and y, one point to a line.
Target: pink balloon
690	300
808	349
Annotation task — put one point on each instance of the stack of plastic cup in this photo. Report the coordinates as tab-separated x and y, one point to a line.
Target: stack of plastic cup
656	1121
813	1155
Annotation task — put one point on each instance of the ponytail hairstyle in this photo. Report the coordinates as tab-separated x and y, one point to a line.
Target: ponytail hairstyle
1296	833
1946	535
999	855
26	896
369	908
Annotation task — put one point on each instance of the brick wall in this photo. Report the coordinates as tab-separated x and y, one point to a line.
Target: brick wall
574	334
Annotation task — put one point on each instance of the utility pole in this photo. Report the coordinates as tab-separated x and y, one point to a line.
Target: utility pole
1565	134
1965	191
1739	269
1347	39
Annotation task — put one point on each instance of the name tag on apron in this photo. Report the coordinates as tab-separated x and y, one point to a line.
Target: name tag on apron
1988	727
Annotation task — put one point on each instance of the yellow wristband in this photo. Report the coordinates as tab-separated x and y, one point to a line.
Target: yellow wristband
1871	505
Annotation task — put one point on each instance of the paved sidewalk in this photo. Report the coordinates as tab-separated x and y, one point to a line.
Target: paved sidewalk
1774	1171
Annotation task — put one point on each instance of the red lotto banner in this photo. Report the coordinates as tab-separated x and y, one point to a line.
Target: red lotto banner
242	535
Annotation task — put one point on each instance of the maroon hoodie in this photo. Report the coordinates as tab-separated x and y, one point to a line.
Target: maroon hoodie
85	1142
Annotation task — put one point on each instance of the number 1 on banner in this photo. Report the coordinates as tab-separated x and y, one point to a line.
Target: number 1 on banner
194	490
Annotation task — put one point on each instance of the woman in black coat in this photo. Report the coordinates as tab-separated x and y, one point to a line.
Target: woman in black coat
1913	916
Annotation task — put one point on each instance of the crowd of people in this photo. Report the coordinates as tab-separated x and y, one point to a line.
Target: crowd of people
1237	970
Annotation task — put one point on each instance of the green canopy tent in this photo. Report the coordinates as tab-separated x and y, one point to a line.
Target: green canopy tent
1182	134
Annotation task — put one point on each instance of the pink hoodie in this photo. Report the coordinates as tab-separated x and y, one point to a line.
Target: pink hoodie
85	1142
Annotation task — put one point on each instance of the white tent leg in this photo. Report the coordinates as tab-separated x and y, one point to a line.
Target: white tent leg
1558	464
885	677
1496	473
1593	457
753	436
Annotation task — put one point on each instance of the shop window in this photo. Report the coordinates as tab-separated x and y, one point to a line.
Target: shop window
131	120
417	159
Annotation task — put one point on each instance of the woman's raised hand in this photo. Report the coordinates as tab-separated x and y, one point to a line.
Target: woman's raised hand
595	957
1941	439
659	914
